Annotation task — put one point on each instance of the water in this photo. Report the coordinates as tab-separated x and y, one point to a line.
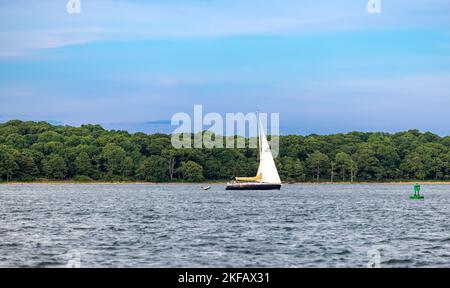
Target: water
182	225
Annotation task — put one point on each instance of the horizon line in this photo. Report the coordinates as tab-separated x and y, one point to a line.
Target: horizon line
56	123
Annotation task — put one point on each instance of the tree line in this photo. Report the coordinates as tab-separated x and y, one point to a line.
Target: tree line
38	151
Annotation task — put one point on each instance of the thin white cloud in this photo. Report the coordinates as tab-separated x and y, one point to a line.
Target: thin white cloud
30	25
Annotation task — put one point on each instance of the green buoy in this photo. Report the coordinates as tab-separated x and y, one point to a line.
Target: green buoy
416	195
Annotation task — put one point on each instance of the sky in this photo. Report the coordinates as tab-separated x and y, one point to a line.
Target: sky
324	66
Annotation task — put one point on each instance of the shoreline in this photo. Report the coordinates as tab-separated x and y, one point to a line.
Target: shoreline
216	183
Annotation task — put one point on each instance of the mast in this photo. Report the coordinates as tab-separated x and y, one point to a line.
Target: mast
259	129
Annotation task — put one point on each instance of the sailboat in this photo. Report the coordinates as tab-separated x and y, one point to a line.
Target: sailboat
267	177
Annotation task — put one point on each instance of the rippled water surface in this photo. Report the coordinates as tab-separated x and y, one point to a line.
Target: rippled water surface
182	225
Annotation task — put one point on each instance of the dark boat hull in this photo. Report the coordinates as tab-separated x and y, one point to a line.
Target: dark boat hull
253	186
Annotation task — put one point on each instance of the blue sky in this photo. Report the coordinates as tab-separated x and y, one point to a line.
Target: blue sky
326	67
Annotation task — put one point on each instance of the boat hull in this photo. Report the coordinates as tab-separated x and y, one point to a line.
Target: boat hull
253	186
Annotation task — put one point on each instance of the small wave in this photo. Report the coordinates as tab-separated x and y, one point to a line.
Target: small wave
6	245
343	252
151	217
398	261
83	228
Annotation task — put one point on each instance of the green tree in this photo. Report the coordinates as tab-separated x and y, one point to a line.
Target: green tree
170	155
83	164
191	171
113	156
128	167
213	169
332	170
446	160
8	164
291	169
27	167
317	162
153	169
50	136
54	167
369	166
426	162
345	165
414	166
157	145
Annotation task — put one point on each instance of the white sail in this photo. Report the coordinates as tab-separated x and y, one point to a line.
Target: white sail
267	169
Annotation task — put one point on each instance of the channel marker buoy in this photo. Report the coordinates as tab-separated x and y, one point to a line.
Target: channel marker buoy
417	195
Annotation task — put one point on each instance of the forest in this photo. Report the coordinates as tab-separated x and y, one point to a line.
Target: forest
39	151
